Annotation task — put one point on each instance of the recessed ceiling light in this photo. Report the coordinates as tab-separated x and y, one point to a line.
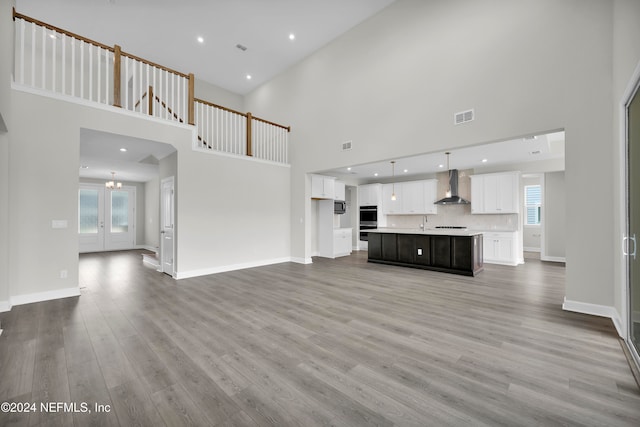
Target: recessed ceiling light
292	36
375	174
248	76
123	149
484	160
84	167
200	39
406	170
348	169
440	166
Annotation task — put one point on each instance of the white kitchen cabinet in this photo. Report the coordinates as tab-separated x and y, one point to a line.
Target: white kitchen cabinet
500	247
430	196
392	207
412	198
322	187
342	245
340	191
495	193
369	194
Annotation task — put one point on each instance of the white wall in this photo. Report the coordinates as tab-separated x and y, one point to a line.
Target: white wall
152	213
218	95
392	85
230	211
6	67
555	216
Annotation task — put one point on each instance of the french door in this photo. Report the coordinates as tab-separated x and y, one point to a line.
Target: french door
106	218
633	219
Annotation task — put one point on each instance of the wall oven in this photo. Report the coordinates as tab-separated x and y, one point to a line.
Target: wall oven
368	221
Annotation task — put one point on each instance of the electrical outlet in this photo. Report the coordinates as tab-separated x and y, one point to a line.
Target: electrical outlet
419	252
63	274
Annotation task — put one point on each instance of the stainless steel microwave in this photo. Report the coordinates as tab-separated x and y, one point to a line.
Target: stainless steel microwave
339	207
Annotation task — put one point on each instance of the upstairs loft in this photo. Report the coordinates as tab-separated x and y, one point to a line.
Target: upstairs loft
53	60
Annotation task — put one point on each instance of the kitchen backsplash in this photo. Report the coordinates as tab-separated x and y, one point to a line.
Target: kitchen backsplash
459	215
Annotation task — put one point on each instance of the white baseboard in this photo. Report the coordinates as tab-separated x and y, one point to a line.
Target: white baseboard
298	260
553	258
232	267
595	310
531	249
148	248
5	306
44	296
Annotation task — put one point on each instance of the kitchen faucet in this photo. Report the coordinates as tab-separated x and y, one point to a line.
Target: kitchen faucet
424	222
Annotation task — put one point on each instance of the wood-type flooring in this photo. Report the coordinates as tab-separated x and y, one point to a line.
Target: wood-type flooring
338	342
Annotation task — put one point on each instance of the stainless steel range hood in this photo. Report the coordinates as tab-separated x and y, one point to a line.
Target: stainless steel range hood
453	199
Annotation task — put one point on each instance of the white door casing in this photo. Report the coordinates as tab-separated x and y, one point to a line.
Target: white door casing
167	231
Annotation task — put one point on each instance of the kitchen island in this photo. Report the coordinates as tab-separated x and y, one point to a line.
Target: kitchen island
449	251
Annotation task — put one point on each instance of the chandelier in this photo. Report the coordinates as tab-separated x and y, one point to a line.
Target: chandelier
111	185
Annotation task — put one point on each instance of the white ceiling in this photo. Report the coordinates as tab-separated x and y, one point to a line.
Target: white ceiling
521	150
165	31
100	155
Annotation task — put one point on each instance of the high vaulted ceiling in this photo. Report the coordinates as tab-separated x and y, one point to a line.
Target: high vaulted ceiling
166	31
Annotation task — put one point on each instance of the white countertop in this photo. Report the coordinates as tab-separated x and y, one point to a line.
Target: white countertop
428	231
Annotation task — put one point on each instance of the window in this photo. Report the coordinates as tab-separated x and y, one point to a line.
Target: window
532	203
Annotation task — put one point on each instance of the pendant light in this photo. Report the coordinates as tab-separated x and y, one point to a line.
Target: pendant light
113	185
393	175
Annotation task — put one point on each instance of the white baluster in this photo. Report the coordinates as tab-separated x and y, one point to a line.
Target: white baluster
44	55
90	46
64	63
33	54
99	88
53	60
81	68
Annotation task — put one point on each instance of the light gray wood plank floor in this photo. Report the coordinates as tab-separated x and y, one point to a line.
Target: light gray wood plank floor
339	342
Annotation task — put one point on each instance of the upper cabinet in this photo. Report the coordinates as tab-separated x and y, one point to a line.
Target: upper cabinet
495	193
369	194
323	187
412	198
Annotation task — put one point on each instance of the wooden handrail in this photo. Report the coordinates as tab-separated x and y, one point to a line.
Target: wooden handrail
153	64
59	30
211	104
288	128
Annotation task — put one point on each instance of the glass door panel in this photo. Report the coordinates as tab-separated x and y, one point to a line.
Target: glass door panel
120	232
119	211
90	218
633	218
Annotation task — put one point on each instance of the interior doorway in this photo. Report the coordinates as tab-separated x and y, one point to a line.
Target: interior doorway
106	218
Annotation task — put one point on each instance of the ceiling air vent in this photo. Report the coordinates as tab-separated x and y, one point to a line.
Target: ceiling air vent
463	117
346	145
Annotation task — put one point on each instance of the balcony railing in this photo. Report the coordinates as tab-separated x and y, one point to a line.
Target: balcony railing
55	60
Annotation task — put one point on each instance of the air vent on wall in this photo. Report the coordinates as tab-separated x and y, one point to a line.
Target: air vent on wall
463	117
346	145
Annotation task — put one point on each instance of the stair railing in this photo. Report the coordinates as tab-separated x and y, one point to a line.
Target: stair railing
52	59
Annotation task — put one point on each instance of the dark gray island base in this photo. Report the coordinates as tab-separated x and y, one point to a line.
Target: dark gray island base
458	254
